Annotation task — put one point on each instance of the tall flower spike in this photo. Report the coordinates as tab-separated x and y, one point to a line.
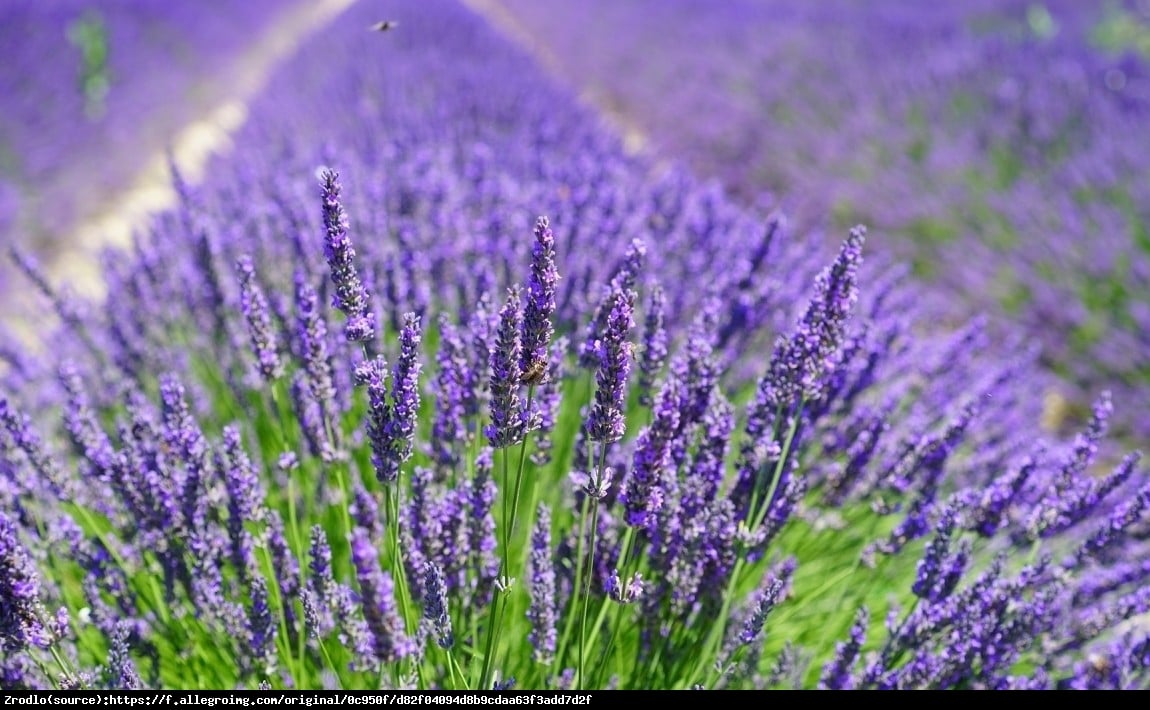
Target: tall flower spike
375	373
435	605
608	422
540	307
405	396
350	295
542	613
801	362
508	418
389	641
21	612
654	345
254	305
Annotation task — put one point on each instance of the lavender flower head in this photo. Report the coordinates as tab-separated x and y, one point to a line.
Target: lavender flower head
608	422
21	612
543	613
400	428
435	605
350	295
254	305
389	640
540	307
800	363
391	424
508	417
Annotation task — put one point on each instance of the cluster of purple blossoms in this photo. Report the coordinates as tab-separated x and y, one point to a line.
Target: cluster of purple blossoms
786	422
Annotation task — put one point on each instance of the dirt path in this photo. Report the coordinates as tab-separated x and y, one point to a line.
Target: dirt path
76	263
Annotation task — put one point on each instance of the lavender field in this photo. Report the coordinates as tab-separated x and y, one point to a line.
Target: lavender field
524	344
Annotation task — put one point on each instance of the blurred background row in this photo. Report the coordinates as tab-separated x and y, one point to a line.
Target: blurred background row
1000	147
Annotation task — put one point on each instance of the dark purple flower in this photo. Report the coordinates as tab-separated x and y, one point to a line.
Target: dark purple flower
449	432
389	639
350	295
643	494
435	605
539	309
400	429
254	305
838	673
543	612
122	673
508	418
801	361
22	615
245	499
623	281
261	625
608	421
654	353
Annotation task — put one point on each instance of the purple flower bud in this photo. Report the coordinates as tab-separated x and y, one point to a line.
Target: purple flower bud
254	305
400	430
654	354
540	307
448	429
643	494
543	612
435	605
837	674
389	639
623	281
122	673
508	418
801	362
261	625
22	615
608	421
350	295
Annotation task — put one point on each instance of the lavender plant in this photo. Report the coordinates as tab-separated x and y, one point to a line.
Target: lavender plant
651	440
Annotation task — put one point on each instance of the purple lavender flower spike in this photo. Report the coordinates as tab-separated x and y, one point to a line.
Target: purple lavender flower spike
350	295
543	613
312	336
607	423
654	354
245	499
400	430
837	674
508	418
539	309
374	372
931	579
800	362
448	429
261	626
642	495
389	640
22	615
122	673
435	605
254	305
623	281
768	598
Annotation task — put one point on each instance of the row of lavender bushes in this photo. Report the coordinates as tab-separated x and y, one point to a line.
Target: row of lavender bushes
999	145
90	91
353	415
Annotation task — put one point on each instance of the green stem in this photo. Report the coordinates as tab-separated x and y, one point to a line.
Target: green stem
589	573
569	626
